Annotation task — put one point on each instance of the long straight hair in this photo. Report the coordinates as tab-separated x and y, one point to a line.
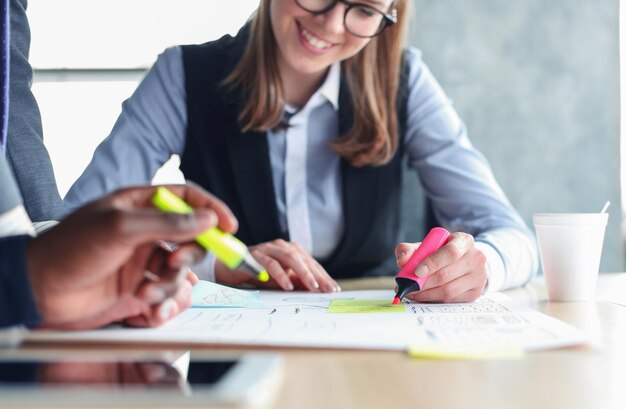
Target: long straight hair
372	77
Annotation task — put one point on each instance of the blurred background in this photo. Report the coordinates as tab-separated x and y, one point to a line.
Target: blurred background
537	83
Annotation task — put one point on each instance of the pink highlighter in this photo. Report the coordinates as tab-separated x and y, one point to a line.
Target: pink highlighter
406	279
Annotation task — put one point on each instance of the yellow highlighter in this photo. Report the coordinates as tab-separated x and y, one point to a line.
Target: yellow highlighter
231	251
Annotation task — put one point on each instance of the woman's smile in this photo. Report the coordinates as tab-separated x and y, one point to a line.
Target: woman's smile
311	42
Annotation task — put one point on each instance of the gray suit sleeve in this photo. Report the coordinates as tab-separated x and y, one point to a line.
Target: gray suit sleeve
26	153
9	195
17	304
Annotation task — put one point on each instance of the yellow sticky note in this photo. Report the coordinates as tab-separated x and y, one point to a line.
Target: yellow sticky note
464	352
363	306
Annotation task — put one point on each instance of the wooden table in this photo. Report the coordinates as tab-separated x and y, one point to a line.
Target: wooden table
581	377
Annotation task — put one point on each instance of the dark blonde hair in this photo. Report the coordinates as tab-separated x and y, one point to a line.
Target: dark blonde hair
372	77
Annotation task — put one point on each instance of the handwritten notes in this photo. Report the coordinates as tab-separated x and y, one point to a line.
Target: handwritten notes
363	306
211	295
493	327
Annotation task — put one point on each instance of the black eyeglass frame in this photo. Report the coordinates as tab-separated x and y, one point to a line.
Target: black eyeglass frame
388	19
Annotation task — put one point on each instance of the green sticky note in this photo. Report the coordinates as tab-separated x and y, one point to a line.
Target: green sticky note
464	352
363	306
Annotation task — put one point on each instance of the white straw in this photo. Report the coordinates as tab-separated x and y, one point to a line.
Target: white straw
606	206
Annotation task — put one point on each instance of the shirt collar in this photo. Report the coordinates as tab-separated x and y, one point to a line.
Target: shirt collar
329	90
330	87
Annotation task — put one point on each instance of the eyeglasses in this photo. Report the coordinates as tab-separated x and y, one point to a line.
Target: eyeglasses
360	20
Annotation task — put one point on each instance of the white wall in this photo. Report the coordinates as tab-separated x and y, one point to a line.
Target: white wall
77	113
622	57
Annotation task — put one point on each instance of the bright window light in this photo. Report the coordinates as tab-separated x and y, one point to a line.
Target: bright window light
68	35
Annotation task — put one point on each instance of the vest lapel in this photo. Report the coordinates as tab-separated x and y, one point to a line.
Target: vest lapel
250	163
360	191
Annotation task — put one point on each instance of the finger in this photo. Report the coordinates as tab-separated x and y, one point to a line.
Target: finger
448	273
468	274
289	257
139	321
473	262
137	226
167	310
165	245
183	296
445	293
136	275
172	306
274	268
459	244
157	315
404	251
165	288
326	283
186	255
133	273
194	195
169	280
192	277
295	280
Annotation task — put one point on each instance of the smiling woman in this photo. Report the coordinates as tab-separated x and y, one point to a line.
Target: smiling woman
303	123
81	80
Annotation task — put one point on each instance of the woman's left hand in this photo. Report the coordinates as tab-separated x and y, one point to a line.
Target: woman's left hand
457	272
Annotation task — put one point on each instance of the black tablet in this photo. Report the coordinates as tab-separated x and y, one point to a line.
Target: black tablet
182	380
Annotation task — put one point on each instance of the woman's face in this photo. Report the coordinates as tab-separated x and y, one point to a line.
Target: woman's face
309	43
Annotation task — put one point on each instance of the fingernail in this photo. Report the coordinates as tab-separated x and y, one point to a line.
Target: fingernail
290	286
329	288
337	288
155	294
205	217
166	309
149	275
314	284
165	246
155	373
193	277
183	260
421	271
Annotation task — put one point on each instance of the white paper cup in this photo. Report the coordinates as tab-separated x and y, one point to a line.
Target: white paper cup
570	246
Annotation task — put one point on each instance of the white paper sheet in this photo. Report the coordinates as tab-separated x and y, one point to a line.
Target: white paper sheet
299	319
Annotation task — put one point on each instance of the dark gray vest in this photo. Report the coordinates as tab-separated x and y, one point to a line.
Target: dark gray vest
235	166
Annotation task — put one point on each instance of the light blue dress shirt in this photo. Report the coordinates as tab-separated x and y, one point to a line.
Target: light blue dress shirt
455	176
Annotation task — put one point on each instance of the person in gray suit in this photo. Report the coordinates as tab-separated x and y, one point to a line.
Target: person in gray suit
26	154
91	269
106	262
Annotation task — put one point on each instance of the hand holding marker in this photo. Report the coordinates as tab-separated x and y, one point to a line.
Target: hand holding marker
231	251
406	279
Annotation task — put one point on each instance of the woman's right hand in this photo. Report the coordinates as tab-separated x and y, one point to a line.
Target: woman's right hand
289	266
